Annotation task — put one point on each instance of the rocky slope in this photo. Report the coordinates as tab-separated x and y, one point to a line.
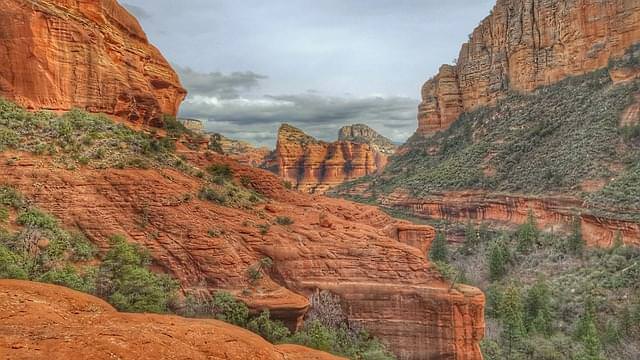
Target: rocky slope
93	55
374	263
580	161
314	166
58	323
240	151
526	44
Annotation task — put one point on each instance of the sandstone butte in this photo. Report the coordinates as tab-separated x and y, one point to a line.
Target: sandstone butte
376	264
52	322
526	44
88	54
314	166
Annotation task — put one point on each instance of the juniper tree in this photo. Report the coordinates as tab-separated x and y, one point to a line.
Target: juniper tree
527	234
537	308
498	259
511	313
439	250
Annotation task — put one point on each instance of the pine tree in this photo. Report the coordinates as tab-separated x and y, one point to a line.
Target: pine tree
471	239
587	333
439	250
512	316
498	259
576	242
527	234
537	305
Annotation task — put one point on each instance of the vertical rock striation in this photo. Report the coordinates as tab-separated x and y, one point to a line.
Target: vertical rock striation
89	54
524	44
314	166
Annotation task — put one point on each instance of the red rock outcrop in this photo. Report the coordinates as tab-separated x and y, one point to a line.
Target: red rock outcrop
355	251
551	212
240	151
526	44
315	166
47	321
89	54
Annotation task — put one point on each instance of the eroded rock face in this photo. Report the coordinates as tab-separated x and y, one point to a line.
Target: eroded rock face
89	54
360	133
315	166
240	151
375	263
80	326
526	44
551	212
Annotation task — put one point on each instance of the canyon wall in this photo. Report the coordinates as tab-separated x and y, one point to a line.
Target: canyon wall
552	213
376	264
315	166
526	44
88	54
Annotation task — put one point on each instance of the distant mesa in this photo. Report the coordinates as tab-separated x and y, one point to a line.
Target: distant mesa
92	55
363	134
197	126
314	166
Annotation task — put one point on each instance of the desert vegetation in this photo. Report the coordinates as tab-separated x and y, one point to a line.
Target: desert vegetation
548	142
42	250
548	296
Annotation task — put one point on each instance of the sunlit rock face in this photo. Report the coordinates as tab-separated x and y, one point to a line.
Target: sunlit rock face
315	166
88	54
526	44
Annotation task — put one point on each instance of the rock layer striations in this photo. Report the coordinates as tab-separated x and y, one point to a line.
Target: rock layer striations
376	264
89	54
314	166
526	44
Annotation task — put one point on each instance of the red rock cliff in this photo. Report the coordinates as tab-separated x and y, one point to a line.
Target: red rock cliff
526	44
314	166
90	54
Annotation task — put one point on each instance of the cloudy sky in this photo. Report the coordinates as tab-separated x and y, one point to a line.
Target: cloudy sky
250	65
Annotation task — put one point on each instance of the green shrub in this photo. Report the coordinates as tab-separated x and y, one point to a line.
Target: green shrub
284	220
220	171
272	331
12	266
226	308
11	197
4	214
35	218
174	127
125	281
209	194
83	250
341	341
68	276
287	185
264	229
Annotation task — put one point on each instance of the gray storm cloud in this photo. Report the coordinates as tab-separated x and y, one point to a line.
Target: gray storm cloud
249	65
218	100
